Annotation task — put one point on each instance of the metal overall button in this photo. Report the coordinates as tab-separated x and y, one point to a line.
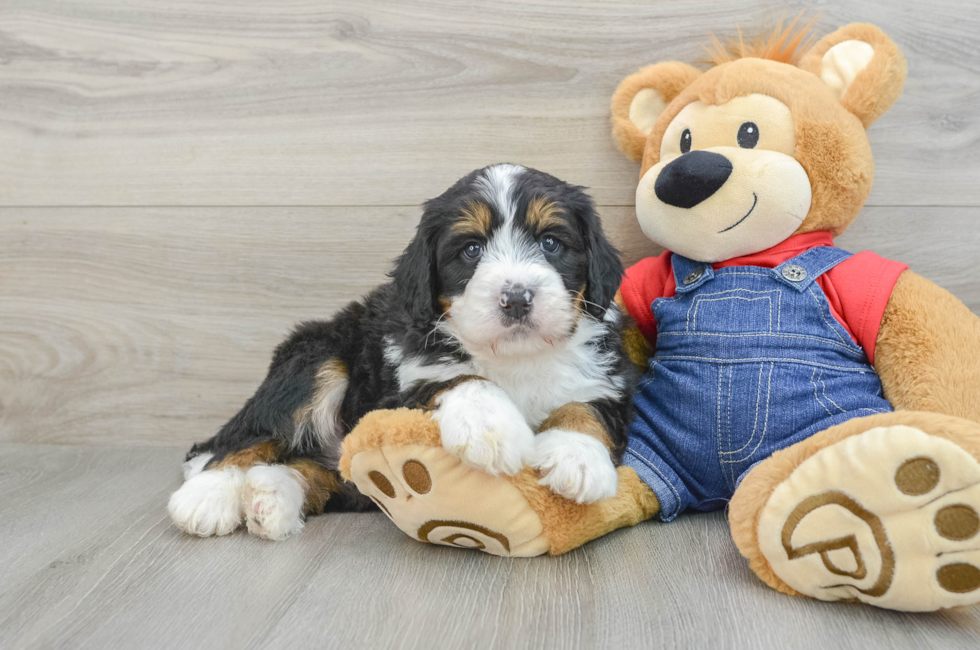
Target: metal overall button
793	273
694	276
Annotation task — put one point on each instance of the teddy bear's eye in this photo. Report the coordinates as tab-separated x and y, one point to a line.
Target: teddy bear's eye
686	141
748	135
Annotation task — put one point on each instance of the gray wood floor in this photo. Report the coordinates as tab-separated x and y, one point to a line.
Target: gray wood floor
88	559
182	181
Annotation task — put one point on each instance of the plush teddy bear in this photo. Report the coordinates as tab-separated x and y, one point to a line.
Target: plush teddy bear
831	400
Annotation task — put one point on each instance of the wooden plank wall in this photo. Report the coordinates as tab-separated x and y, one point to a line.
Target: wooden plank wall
180	182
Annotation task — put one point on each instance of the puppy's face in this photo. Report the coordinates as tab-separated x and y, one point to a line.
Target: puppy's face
516	258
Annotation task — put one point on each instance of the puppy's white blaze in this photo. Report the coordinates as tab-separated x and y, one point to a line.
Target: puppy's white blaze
412	369
496	185
575	465
209	502
480	425
195	465
511	244
274	497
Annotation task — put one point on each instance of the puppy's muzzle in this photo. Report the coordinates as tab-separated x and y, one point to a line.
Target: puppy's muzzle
692	178
516	302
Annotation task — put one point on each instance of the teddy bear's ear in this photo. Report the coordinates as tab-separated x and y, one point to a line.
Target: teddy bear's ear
641	98
863	67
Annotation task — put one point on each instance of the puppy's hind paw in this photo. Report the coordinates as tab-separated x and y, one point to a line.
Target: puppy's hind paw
209	502
274	496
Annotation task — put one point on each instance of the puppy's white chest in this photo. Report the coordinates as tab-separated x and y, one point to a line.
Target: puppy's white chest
531	396
539	385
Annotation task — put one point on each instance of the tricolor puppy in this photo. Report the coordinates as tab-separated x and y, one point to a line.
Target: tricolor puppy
499	317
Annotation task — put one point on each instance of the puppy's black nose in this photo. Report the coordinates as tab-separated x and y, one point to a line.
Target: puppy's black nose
692	178
515	302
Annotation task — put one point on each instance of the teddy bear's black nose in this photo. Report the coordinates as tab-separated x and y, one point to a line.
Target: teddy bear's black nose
692	178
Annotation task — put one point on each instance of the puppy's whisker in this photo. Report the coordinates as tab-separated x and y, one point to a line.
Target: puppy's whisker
452	340
589	302
435	328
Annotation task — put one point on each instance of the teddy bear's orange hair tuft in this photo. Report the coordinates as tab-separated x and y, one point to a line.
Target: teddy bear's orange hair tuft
782	44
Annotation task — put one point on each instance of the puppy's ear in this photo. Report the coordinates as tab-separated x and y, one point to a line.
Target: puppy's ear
605	267
415	276
641	98
863	67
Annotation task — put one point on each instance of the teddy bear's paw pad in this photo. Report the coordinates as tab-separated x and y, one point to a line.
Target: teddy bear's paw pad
888	517
274	501
209	502
436	498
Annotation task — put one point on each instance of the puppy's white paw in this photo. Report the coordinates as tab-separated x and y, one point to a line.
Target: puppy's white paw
209	502
575	465
195	465
274	501
483	427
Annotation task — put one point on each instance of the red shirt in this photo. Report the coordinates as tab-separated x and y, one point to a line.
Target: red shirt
857	289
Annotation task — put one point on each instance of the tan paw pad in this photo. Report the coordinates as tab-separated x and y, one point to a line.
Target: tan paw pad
433	497
888	517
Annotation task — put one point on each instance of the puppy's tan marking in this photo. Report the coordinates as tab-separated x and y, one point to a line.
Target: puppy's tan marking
580	299
320	417
475	220
320	484
579	417
445	303
543	214
638	349
264	452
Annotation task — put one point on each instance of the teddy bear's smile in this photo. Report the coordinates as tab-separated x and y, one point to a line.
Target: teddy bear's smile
755	202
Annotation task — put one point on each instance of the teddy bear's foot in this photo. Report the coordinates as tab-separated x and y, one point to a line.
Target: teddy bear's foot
434	497
889	515
397	459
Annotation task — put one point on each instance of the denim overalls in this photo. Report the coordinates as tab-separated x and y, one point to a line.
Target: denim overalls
749	360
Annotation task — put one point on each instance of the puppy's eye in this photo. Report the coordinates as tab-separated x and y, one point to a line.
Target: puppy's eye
686	141
549	244
748	135
473	251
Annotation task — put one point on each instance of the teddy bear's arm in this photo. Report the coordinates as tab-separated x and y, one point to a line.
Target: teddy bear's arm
637	347
928	350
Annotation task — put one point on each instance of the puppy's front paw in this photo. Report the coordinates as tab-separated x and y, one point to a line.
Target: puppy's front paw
482	426
575	465
209	502
274	501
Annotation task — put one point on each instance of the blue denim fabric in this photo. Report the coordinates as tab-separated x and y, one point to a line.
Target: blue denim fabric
748	362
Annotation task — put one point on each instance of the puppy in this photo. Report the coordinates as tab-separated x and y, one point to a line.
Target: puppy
499	318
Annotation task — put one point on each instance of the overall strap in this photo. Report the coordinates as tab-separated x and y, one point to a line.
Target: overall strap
688	274
804	269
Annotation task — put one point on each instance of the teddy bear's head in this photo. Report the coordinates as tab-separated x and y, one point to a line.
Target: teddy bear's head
759	147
